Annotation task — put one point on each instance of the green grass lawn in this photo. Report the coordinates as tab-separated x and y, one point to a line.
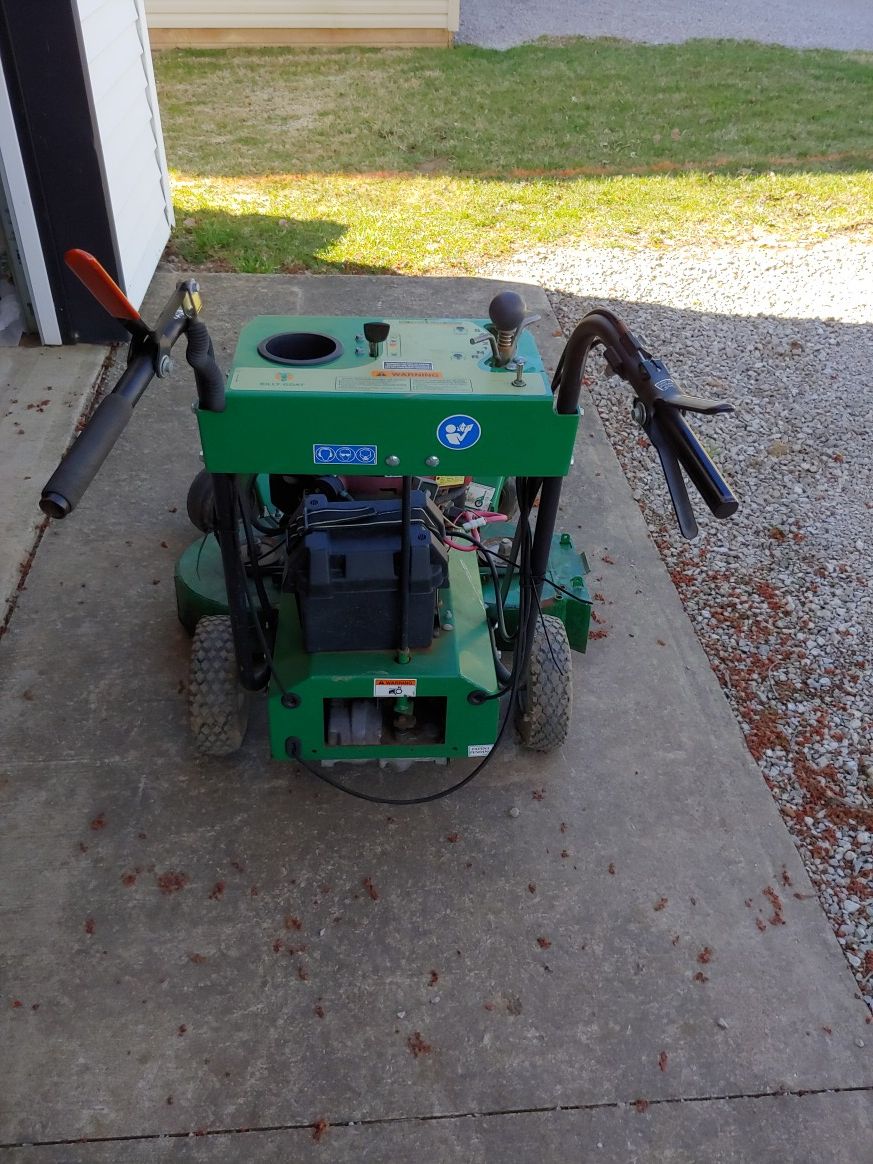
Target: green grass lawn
438	160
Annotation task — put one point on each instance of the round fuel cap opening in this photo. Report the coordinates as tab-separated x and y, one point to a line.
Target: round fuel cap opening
300	348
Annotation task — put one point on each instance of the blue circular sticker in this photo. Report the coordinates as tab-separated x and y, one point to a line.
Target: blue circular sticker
458	432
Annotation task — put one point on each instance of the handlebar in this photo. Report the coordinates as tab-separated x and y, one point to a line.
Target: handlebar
659	408
149	356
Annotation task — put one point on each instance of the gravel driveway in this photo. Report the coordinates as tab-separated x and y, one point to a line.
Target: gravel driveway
781	595
837	24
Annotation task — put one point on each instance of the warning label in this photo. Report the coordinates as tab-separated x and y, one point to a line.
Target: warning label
382	373
479	749
394	688
407	365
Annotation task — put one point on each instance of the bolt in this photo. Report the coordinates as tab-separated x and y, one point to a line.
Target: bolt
431	462
638	412
392	462
519	381
566	540
164	366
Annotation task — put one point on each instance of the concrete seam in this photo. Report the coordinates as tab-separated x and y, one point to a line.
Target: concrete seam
456	1115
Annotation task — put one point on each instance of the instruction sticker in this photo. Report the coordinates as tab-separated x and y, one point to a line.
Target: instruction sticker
479	749
407	365
344	454
394	688
458	432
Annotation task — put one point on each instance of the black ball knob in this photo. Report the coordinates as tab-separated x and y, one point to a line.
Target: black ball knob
507	310
376	333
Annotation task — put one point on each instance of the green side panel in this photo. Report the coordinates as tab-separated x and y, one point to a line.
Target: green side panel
458	662
199	581
567	569
392	406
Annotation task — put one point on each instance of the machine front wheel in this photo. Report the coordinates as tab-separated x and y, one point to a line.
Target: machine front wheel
218	707
546	701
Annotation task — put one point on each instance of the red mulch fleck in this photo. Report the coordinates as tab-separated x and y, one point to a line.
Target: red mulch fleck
278	945
565	853
238	865
16	1004
611	868
434	978
641	1105
531	887
563	826
99	822
761	924
662	1061
171	882
128	879
182	1029
370	888
417	1046
253	892
319	1010
302	973
488	1005
543	943
293	923
539	794
217	891
89	925
453	838
83	848
598	634
197	959
318	1129
660	904
675	940
704	956
786	877
700	977
610	561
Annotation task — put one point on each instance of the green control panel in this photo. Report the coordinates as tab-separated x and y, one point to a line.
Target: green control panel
419	355
425	396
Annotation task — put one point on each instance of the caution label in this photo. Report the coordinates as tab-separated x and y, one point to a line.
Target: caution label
479	749
394	688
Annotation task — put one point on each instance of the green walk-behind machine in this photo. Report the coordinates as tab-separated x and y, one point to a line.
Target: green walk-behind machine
377	509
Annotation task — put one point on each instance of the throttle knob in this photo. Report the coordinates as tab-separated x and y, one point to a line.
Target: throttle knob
507	310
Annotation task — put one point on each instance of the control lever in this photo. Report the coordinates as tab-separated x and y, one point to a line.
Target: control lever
375	334
659	408
509	318
148	356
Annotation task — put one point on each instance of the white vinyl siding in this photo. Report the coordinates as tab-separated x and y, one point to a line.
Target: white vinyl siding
303	14
117	60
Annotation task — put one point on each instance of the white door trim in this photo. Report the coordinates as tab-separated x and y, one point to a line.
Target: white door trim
17	192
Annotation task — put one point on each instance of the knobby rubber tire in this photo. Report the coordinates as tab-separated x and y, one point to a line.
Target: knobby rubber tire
200	502
218	707
547	701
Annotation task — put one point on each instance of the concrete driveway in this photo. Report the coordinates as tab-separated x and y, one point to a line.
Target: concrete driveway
838	24
202	960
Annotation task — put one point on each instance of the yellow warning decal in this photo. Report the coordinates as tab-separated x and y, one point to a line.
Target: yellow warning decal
441	481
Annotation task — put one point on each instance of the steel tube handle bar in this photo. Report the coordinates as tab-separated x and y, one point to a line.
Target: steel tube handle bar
148	356
659	408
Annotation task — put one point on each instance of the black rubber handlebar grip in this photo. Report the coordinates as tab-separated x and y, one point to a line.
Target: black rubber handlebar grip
705	477
77	470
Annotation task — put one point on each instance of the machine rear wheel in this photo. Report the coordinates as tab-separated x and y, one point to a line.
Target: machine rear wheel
218	707
543	719
200	502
